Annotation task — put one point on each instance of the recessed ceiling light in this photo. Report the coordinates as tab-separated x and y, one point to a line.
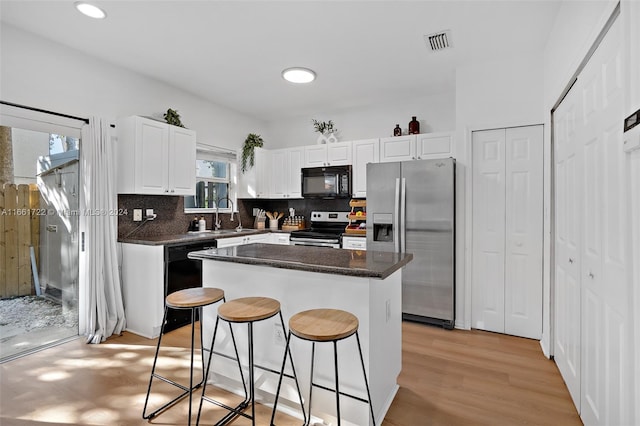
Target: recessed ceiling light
90	10
299	75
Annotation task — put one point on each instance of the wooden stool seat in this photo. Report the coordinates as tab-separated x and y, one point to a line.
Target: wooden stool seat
194	297
323	325
248	309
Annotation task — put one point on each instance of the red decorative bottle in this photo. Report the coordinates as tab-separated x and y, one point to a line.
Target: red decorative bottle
397	131
414	126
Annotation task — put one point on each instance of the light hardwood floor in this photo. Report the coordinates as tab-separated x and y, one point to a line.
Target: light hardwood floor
448	378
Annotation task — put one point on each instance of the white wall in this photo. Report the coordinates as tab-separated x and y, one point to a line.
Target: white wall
39	73
435	113
493	94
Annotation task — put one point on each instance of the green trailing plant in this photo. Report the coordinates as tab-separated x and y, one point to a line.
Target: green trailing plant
323	127
172	117
248	150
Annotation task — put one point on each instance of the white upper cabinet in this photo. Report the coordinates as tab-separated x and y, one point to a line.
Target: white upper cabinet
364	151
255	182
434	145
155	158
331	154
285	165
416	147
398	148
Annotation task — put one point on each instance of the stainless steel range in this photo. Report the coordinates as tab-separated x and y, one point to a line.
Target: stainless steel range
326	230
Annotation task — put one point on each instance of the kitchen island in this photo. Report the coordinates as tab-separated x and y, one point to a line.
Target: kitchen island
365	283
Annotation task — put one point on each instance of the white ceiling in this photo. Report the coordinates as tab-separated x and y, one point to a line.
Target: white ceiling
232	52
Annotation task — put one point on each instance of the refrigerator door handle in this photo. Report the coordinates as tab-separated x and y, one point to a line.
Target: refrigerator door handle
397	221
403	214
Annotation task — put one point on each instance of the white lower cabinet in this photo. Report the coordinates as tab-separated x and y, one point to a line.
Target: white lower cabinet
142	270
240	241
354	243
281	238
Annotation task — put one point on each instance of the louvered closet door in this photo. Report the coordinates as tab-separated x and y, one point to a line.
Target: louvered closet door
507	231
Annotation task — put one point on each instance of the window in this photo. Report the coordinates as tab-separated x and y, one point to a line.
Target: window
215	171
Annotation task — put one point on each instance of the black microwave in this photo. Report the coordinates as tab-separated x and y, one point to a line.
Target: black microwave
326	182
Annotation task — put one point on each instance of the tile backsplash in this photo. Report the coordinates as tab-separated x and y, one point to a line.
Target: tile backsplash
171	218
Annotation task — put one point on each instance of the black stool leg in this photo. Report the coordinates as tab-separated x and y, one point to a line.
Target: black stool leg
366	382
153	369
251	386
287	351
335	359
313	355
185	390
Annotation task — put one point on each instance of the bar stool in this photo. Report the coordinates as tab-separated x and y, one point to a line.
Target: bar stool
194	299
324	325
245	310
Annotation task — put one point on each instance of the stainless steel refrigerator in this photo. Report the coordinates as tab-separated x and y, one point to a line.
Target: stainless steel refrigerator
411	208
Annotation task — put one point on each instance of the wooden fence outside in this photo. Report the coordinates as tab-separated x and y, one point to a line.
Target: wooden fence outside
19	230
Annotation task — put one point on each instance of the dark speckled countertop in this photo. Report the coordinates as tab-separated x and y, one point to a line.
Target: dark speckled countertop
159	240
357	263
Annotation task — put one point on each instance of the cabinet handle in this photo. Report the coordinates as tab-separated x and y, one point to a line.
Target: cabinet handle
419	157
570	260
166	190
590	274
413	158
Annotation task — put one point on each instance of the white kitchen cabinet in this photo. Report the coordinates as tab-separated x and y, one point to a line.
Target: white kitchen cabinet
281	238
354	243
285	165
255	182
142	269
364	152
242	240
416	147
155	158
331	154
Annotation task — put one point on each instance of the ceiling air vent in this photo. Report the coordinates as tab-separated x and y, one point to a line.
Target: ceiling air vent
438	41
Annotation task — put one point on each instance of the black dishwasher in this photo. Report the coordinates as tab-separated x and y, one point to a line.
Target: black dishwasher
180	272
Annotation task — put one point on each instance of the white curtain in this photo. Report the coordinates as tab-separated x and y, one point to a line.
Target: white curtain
105	308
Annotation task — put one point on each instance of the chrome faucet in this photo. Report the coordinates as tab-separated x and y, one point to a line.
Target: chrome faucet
217	221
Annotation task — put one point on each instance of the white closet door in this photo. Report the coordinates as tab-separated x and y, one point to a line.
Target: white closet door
523	234
487	290
507	231
606	316
568	208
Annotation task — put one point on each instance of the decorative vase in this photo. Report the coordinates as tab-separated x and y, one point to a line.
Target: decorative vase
331	138
414	126
322	139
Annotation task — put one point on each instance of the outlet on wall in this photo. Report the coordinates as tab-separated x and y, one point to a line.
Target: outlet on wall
149	213
137	215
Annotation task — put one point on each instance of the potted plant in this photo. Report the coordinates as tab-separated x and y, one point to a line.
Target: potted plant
248	154
326	130
172	117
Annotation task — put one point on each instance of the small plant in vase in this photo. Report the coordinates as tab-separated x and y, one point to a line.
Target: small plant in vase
326	130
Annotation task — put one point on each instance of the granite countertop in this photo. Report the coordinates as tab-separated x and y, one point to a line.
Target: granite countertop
357	263
193	237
